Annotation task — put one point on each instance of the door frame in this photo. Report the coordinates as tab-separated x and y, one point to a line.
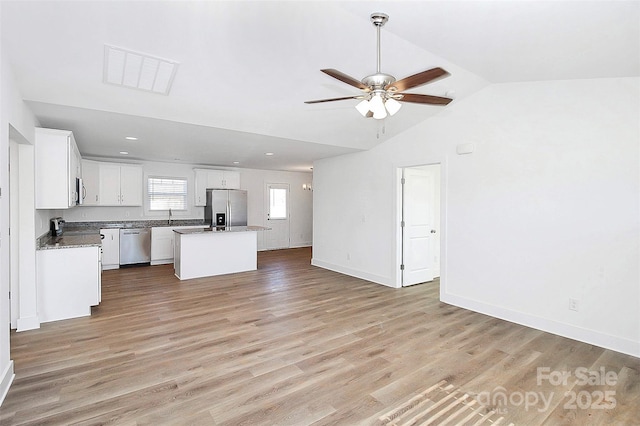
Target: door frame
443	220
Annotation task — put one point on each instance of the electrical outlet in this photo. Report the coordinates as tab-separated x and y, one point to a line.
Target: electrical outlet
574	304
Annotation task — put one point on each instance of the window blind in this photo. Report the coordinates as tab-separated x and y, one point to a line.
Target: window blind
167	193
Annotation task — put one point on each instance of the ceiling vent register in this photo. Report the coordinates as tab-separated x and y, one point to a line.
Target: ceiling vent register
136	70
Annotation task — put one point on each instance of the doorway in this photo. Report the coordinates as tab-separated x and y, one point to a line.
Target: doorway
21	222
420	224
278	211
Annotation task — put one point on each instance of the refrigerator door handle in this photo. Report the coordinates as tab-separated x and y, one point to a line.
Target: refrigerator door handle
228	214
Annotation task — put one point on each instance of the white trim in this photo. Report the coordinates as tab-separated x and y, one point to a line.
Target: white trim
28	323
618	344
300	245
6	380
378	279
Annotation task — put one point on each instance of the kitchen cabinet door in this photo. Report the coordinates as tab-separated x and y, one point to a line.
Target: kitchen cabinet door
109	184
200	187
130	185
161	245
110	248
120	184
68	282
215	179
91	182
57	165
223	179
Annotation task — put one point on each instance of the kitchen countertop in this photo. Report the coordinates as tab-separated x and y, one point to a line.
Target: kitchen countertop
70	240
221	229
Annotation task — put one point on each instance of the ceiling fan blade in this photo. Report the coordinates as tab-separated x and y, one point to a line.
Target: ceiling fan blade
416	80
424	99
345	79
332	99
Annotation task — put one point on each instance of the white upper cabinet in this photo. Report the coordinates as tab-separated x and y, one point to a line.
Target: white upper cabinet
57	168
131	187
213	179
91	182
120	184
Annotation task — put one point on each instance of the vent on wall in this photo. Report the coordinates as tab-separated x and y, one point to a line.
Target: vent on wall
138	70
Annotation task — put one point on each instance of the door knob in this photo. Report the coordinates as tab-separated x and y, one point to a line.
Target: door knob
433	231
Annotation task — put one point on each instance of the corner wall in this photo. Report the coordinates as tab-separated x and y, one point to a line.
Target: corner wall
14	116
545	209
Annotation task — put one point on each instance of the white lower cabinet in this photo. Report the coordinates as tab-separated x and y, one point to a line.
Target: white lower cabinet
110	248
68	282
162	239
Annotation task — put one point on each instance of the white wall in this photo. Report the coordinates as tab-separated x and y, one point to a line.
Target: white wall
545	209
252	180
14	117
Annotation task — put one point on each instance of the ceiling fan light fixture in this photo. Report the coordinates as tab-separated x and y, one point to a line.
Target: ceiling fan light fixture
377	107
392	106
363	107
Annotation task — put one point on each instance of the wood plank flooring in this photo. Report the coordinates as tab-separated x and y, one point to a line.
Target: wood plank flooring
292	344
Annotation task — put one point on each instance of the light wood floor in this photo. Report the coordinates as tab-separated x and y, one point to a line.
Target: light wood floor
294	344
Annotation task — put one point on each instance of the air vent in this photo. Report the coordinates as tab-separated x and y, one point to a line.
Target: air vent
138	70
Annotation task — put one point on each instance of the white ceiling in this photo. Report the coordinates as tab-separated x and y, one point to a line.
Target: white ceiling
247	67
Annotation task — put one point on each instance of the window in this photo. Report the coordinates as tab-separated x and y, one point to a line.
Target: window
277	203
167	193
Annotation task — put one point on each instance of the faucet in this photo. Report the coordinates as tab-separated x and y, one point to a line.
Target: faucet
169	216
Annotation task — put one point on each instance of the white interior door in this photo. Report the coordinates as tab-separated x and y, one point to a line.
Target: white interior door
277	208
418	207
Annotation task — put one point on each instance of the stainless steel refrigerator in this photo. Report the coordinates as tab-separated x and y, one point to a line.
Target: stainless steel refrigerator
226	207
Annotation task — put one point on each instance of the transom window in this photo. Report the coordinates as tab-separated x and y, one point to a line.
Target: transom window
167	193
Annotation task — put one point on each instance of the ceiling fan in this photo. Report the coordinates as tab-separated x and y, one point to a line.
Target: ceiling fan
381	91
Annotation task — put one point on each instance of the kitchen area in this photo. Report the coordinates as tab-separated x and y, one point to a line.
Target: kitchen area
103	217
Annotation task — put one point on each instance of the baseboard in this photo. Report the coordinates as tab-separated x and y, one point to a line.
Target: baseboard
378	279
6	380
161	262
28	323
300	245
591	337
109	267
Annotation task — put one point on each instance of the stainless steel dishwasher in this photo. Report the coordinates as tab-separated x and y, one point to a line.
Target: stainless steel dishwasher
135	246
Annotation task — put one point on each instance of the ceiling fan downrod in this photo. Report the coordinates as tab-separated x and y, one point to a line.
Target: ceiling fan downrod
379	80
379	19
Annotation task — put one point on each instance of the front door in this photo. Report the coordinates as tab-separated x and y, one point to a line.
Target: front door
418	217
277	208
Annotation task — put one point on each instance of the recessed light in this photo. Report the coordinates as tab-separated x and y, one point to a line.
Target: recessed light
124	153
236	162
268	153
131	138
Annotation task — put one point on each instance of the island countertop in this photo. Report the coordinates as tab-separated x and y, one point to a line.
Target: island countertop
221	229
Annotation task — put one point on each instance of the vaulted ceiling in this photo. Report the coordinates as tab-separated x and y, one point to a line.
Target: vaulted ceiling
246	68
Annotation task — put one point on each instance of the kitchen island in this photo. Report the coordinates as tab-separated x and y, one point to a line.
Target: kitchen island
215	251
